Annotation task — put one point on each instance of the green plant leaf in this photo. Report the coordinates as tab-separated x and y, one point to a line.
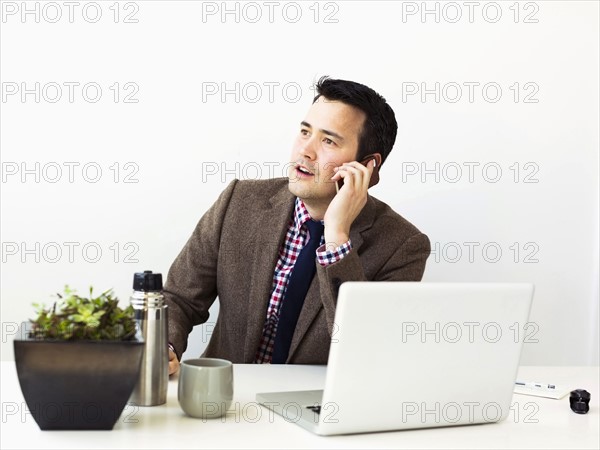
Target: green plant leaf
75	317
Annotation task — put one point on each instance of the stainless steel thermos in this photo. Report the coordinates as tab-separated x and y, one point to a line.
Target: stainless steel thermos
151	314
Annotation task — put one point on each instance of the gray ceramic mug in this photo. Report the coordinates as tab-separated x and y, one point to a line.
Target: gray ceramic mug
205	387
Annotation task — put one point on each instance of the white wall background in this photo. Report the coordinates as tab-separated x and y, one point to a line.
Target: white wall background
541	212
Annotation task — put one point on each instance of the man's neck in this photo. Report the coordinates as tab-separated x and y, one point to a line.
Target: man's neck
315	209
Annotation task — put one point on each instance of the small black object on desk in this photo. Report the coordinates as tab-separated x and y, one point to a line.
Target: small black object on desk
580	401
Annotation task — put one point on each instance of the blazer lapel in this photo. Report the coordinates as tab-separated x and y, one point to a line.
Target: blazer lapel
312	302
270	227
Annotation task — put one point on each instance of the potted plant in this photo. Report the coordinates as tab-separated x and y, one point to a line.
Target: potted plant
79	362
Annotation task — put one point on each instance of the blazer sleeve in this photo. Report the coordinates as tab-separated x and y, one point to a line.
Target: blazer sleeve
191	286
407	263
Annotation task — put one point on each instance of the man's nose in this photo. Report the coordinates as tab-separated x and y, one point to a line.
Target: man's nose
308	149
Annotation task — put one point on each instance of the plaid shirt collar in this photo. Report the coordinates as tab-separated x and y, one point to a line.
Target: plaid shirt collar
301	216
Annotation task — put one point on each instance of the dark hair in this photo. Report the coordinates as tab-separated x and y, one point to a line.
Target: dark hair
379	130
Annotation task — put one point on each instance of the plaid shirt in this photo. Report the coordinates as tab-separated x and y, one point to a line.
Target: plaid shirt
295	239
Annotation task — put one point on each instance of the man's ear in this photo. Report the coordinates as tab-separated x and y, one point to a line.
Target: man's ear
375	174
375	156
378	159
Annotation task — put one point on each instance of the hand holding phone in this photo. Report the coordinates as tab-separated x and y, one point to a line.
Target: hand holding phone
374	176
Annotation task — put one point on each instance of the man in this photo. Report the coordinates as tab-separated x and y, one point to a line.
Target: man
277	303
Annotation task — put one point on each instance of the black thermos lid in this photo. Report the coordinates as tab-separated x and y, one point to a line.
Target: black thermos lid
147	281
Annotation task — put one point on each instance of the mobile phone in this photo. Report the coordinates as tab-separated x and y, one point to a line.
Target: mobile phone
374	176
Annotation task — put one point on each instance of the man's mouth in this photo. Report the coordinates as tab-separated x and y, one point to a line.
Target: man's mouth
302	171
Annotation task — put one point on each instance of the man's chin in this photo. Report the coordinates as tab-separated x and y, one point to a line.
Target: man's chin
300	188
294	187
308	190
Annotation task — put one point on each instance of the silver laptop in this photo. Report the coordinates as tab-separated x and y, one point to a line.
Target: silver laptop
408	355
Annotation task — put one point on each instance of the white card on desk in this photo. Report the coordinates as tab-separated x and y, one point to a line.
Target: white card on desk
557	393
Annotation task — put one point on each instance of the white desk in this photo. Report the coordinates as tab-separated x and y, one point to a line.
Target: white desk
534	423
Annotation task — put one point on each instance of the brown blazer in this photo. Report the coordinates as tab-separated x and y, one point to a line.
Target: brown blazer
232	254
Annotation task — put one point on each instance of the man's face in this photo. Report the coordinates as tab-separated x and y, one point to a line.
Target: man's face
328	137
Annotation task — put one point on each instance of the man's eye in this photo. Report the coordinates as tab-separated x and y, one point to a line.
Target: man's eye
303	132
328	141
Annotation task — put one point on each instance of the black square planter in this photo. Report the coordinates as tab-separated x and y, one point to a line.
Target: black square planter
77	385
